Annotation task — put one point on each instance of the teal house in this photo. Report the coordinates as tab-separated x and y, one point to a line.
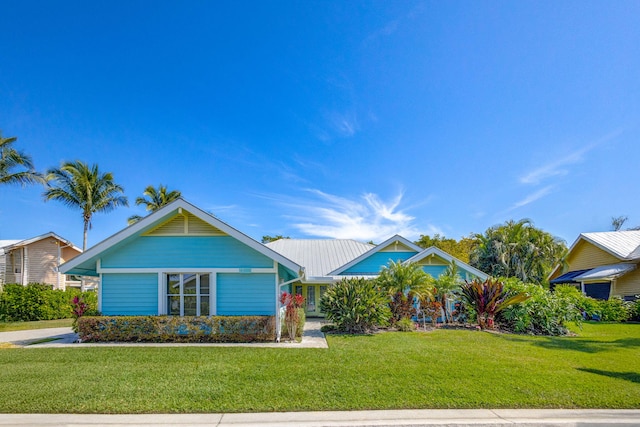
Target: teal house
327	261
183	261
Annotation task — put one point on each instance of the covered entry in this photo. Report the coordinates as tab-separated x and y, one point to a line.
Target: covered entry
312	295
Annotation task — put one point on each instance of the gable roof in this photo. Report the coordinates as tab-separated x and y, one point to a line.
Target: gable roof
320	256
449	258
394	239
20	243
151	220
624	245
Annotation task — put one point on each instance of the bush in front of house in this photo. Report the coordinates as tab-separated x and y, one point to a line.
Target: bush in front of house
38	301
544	313
187	329
615	309
302	318
356	306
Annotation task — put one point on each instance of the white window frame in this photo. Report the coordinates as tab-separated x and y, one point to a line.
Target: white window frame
181	294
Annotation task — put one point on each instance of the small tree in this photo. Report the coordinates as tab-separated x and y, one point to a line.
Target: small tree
446	284
293	304
489	298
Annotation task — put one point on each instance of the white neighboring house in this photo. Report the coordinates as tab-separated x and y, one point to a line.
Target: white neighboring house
36	260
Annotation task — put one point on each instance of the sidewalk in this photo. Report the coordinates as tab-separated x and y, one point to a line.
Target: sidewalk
413	418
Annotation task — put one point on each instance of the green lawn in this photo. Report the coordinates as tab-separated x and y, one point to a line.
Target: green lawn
442	369
42	324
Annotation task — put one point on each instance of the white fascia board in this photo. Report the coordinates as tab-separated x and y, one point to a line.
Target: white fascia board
156	216
377	248
447	257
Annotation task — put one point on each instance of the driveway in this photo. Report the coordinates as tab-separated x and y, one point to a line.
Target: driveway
52	335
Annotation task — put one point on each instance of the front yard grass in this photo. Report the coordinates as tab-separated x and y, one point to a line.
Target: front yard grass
440	369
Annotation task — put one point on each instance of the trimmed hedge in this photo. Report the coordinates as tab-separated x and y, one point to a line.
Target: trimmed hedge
188	329
38	301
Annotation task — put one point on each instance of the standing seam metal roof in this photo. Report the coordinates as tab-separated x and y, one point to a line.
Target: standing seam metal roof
623	244
319	256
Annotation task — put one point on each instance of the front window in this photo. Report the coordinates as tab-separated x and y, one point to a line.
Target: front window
188	294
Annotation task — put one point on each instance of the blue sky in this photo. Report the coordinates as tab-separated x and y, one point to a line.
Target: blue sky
340	119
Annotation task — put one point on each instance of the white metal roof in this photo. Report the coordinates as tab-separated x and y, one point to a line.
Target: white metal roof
319	256
4	243
622	244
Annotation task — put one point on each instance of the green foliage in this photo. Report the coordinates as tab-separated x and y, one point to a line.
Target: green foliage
177	329
545	312
457	248
269	239
84	187
635	311
517	249
489	298
405	325
356	305
447	284
615	310
16	167
153	199
402	282
38	301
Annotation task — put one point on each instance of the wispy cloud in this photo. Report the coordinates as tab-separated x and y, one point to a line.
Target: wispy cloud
343	124
365	218
560	167
532	197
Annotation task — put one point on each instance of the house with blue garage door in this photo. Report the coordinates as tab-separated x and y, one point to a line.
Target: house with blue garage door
183	261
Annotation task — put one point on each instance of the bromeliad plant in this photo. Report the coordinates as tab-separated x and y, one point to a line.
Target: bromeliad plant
489	298
293	304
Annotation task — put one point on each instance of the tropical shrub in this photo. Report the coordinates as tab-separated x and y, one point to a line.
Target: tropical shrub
405	325
403	283
187	329
635	311
430	308
356	305
294	316
544	312
38	301
615	310
446	285
488	298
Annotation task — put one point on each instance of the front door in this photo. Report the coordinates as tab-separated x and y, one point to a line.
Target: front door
312	295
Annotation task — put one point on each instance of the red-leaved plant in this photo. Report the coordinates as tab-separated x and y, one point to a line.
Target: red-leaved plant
292	304
78	308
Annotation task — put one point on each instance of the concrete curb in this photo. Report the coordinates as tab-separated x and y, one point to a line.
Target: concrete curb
414	418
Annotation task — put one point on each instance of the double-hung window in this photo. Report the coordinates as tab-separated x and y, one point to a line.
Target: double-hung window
188	294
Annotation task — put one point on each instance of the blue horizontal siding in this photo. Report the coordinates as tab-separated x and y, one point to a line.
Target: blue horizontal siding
245	294
374	263
185	252
434	270
129	294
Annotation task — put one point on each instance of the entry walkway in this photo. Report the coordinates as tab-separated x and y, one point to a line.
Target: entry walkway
312	337
413	418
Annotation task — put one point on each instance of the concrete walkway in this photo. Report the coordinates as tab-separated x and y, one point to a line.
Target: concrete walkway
413	418
312	337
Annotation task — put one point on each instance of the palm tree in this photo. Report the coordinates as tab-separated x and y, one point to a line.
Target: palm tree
154	199
517	249
84	187
404	282
12	159
445	285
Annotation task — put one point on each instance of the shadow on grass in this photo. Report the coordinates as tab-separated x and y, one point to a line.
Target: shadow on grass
628	376
576	344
